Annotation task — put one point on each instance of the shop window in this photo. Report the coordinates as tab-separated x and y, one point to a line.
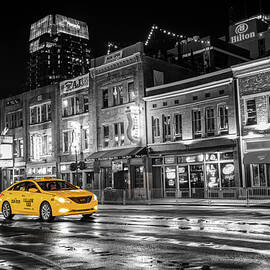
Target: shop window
117	92
209	121
106	137
212	175
166	125
105	99
170	177
196	124
107	172
131	92
138	177
226	156
258	175
66	140
227	174
155	128
177	127
223	119
251	112
157	161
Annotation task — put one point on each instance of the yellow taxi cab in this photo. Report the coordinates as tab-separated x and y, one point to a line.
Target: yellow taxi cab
47	198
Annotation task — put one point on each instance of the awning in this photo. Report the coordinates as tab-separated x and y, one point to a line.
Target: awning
118	153
257	157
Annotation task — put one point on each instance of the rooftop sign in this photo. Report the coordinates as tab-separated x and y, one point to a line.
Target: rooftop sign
74	84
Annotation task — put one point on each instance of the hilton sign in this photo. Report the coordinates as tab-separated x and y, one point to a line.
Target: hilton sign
242	31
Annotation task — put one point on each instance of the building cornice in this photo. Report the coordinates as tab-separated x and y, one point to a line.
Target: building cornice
118	64
189	90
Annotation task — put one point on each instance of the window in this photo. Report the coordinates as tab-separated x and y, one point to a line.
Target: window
251	112
14	119
258	175
105	98
119	136
177	127
18	147
195	97
158	77
40	113
165	103
223	119
106	137
176	101
66	138
117	95
40	145
75	105
154	105
166	124
207	95
85	137
196	124
155	128
210	121
131	92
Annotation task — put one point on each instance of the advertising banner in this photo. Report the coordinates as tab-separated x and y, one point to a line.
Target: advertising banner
74	84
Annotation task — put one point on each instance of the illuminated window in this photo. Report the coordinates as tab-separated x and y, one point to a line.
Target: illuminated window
251	112
117	92
119	135
106	135
155	128
14	119
166	124
196	124
75	105
223	119
40	113
209	121
85	137
177	127
18	147
40	145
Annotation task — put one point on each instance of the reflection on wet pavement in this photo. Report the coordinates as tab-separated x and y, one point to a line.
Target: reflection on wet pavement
138	240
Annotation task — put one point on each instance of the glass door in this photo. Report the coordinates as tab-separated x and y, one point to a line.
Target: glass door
184	185
170	180
197	180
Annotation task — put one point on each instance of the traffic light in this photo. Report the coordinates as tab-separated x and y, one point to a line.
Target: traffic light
81	165
73	166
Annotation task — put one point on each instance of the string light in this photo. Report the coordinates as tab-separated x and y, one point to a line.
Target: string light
184	38
110	46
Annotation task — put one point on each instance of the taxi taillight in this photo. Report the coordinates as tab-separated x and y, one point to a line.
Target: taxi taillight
1	194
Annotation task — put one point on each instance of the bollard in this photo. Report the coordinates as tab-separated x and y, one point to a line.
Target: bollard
124	197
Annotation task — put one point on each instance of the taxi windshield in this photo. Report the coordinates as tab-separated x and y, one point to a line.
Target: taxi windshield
56	185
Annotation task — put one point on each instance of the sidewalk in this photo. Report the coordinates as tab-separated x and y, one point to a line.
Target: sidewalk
196	202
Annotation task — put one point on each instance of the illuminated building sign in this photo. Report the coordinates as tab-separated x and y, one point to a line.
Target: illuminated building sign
113	57
169	159
41	27
71	26
117	165
74	84
6	151
243	31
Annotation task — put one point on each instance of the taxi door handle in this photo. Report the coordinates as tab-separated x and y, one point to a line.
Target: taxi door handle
23	195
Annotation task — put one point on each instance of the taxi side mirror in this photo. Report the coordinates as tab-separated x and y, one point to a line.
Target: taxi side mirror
33	190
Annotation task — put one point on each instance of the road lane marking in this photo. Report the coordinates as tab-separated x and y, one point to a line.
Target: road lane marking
34	256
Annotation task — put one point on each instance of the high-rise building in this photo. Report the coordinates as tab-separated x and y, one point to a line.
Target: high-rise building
58	50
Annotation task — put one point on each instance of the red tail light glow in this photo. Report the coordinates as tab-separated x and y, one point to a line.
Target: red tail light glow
1	194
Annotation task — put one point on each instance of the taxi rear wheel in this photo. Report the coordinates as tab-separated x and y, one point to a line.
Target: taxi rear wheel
6	210
46	212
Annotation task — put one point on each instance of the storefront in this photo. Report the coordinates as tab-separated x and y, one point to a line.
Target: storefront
41	170
121	169
83	178
193	175
257	168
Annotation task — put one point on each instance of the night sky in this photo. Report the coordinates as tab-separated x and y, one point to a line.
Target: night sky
125	23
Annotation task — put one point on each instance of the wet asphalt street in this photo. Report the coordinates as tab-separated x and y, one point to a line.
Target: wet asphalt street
140	237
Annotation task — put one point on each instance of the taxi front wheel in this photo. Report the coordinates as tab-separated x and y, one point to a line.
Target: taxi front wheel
46	212
6	210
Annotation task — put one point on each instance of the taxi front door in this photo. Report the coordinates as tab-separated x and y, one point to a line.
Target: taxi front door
31	200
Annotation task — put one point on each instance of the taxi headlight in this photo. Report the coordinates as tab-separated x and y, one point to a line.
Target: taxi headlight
94	197
62	200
